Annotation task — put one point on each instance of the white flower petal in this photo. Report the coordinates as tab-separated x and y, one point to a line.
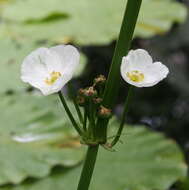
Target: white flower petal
138	58
155	74
148	73
69	57
33	70
160	70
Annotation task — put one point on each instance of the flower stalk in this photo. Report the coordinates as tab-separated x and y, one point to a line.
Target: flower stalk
74	123
85	119
123	118
80	116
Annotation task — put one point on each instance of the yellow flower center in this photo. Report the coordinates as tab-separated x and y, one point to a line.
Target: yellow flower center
135	76
53	78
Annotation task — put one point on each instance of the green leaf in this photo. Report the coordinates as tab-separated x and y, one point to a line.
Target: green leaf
145	161
12	54
87	22
35	12
36	135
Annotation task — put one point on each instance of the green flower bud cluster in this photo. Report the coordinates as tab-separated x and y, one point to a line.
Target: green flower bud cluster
90	99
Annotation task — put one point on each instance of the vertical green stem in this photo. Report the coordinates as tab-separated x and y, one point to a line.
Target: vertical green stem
88	168
91	116
125	111
122	48
85	119
75	125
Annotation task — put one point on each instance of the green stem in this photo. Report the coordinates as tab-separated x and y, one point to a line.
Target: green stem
122	48
88	115
85	119
75	125
91	116
88	168
125	111
78	111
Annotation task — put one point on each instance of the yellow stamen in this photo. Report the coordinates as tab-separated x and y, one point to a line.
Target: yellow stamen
53	78
135	76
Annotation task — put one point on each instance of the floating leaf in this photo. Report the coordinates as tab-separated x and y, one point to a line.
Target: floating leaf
88	22
145	161
36	135
12	54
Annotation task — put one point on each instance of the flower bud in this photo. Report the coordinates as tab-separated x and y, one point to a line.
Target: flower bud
80	100
81	91
90	92
97	101
104	112
100	80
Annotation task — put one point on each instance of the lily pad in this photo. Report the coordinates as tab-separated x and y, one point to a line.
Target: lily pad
12	54
36	135
145	161
87	22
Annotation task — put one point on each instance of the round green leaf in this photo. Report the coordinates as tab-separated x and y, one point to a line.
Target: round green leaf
88	22
145	161
12	54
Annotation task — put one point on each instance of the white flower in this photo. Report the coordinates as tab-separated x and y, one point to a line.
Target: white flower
49	69
138	69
